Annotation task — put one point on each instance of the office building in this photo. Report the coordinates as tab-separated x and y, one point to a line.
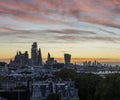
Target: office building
67	59
36	56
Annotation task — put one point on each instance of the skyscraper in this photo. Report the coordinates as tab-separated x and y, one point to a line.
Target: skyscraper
50	60
36	56
39	57
67	59
48	57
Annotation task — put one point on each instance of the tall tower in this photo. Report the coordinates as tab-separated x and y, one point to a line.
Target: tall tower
39	57
34	54
67	59
48	57
26	58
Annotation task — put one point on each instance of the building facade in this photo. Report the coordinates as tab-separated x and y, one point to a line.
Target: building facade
66	90
67	59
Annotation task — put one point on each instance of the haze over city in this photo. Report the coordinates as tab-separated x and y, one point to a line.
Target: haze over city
87	29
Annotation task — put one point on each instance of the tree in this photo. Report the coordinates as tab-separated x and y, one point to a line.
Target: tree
66	74
109	88
87	84
3	63
53	96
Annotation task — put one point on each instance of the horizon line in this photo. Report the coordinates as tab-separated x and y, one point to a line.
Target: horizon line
74	59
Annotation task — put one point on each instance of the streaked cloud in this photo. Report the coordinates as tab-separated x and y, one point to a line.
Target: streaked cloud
6	31
70	31
88	39
59	11
62	36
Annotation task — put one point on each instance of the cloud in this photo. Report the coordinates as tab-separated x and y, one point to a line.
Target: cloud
70	31
71	39
108	32
61	35
25	11
75	35
4	31
7	31
101	12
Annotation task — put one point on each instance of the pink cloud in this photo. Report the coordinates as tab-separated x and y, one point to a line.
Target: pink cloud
103	12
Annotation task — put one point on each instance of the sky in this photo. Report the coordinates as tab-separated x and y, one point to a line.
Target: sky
87	29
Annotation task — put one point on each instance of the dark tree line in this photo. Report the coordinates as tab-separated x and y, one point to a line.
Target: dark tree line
94	87
109	88
2	63
66	74
86	84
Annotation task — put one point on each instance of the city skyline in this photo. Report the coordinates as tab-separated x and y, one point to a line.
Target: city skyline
62	59
86	29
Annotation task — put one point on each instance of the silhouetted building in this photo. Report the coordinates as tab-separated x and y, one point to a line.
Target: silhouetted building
39	57
48	57
41	90
21	59
50	60
67	59
36	56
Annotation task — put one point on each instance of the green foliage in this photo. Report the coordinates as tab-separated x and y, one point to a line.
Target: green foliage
93	87
53	96
86	84
4	77
109	89
2	63
66	74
